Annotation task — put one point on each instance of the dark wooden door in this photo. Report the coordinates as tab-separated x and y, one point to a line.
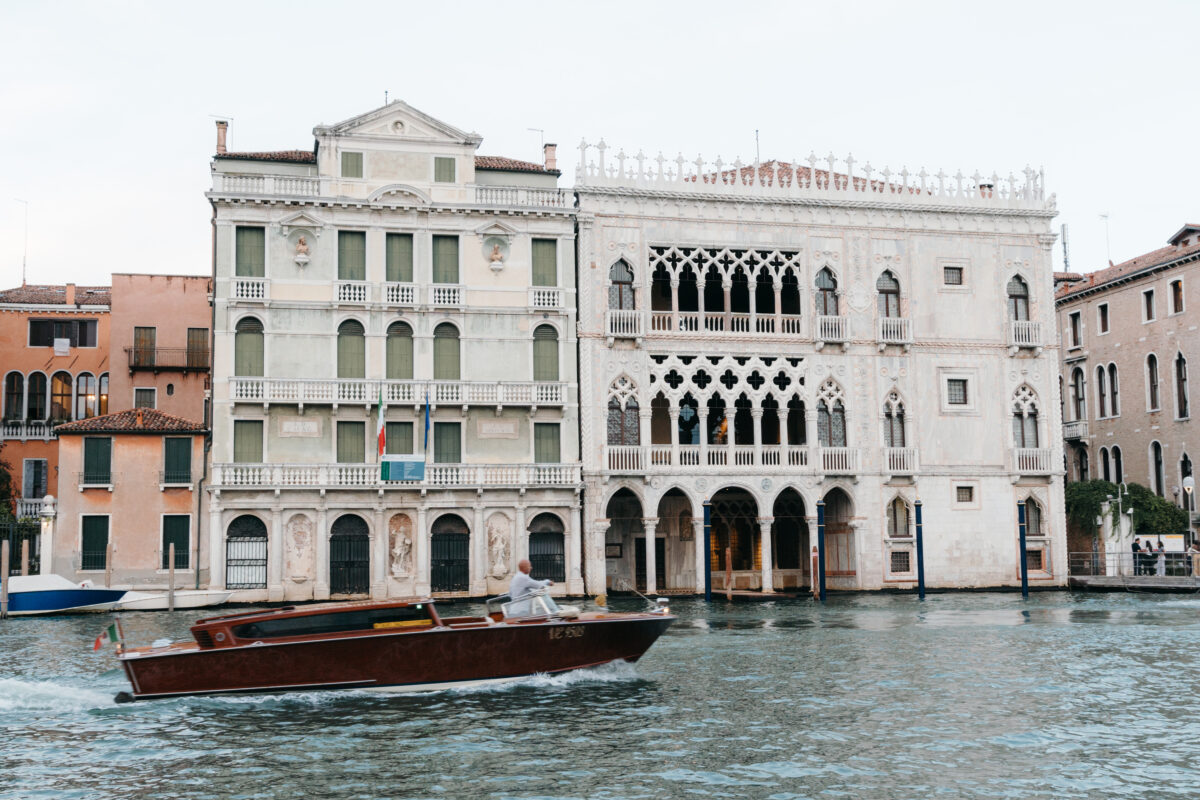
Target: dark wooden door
349	564
660	563
450	562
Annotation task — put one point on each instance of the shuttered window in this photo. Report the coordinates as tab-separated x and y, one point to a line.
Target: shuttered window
33	479
443	170
177	460
197	348
352	256
545	354
399	365
248	441
143	346
447	444
445	353
352	165
351	350
175	531
545	262
97	459
399	438
251	252
399	255
248	348
445	259
351	442
546	443
94	544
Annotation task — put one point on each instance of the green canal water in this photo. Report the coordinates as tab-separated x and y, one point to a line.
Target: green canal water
962	695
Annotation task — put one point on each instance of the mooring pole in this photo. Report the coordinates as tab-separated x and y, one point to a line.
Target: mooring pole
728	574
920	554
108	555
171	577
24	556
1024	557
707	551
4	578
821	549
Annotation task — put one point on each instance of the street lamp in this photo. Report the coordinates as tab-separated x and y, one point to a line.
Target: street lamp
1189	486
1122	492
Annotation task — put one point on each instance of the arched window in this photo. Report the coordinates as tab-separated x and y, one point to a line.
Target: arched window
14	396
893	421
246	553
1181	387
1081	464
248	348
831	417
1078	399
1018	299
351	350
889	294
399	355
1025	418
1157	478
547	551
1187	499
1101	394
85	395
620	289
446	362
789	295
102	395
1105	472
1118	467
1033	518
60	396
1152	382
827	300
623	423
897	520
1114	405
545	353
35	408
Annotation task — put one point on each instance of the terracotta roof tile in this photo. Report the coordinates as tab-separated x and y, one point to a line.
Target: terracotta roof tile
293	156
49	295
1069	277
135	420
511	165
1154	258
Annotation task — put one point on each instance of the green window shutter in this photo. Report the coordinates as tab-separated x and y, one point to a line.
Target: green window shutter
352	165
251	252
352	255
177	460
399	251
97	459
447	446
445	259
248	441
399	352
546	443
175	531
446	356
248	354
545	354
94	546
352	354
545	262
351	443
399	438
443	170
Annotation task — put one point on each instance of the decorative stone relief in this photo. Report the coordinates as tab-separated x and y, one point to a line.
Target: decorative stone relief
495	250
499	535
401	545
299	548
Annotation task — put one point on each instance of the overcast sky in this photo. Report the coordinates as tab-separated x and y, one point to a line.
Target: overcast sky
108	107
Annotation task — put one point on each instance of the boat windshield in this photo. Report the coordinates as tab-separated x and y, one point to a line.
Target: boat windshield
539	604
402	617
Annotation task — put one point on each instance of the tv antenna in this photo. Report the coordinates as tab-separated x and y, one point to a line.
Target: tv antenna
541	134
1066	250
756	156
25	253
1107	247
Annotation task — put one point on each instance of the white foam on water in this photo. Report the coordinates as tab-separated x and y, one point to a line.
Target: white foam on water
18	695
612	672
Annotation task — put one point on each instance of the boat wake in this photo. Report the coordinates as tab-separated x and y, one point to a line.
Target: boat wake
612	672
18	695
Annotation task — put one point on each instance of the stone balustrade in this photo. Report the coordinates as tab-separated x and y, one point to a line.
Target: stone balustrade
335	391
445	476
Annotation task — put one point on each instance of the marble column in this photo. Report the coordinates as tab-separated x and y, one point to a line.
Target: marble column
596	567
673	412
379	554
421	546
275	555
756	415
766	553
574	552
479	556
216	545
650	524
813	443
520	536
702	555
675	304
321	540
702	422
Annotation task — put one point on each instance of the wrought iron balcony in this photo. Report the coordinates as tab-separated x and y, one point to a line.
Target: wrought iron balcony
443	476
177	359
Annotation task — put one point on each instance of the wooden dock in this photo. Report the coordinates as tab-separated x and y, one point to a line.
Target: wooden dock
1136	583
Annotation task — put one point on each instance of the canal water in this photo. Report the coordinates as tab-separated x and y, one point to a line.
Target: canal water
962	695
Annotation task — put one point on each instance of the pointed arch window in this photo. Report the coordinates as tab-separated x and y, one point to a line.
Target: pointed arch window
1078	399
399	351
827	299
248	348
1114	404
623	423
888	289
1025	418
893	421
897	520
545	353
1018	299
1105	467
1033	519
1118	467
831	423
620	288
1156	468
1101	394
1181	387
446	355
351	350
1152	382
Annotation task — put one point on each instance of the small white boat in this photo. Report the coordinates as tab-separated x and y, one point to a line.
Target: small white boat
184	598
54	594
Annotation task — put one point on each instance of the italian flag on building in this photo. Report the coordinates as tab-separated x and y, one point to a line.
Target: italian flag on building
109	633
382	430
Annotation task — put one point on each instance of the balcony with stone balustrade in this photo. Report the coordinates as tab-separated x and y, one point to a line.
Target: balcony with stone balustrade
23	430
365	392
1033	461
277	477
720	458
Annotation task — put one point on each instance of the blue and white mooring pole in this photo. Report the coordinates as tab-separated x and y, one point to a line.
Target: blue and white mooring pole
821	549
1024	557
707	551
920	553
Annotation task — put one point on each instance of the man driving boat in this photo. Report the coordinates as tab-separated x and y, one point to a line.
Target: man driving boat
522	587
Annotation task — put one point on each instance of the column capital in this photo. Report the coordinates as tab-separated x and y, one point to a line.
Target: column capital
766	520
650	523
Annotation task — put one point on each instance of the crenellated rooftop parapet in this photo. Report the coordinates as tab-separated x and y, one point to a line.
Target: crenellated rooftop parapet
824	179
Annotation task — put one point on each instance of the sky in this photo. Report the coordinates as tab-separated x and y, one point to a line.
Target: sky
108	108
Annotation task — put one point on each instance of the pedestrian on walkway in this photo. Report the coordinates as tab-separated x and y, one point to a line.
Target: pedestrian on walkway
1136	547
1194	561
1161	566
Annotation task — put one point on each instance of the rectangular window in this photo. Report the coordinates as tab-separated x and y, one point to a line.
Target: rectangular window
176	530
250	259
1148	305
248	441
143	346
1102	318
1076	329
546	443
399	438
447	443
197	348
964	494
445	259
443	170
901	561
1177	297
399	253
952	276
97	460
352	442
352	255
177	459
144	398
1034	562
33	479
352	165
78	332
956	391
94	545
545	262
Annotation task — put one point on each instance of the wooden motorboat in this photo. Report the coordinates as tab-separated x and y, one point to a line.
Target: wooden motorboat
388	645
184	598
53	594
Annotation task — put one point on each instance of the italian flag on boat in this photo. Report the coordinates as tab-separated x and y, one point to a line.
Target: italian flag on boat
111	633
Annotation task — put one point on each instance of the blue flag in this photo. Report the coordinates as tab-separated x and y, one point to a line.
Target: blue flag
427	420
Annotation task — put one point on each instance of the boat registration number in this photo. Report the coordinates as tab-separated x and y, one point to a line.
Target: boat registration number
566	632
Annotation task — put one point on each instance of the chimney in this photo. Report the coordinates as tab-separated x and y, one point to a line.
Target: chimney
141	422
548	150
222	129
70	294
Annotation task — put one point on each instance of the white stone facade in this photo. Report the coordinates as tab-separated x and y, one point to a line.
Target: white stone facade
768	338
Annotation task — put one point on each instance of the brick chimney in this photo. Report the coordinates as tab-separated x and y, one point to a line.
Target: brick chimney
222	129
141	422
70	294
549	152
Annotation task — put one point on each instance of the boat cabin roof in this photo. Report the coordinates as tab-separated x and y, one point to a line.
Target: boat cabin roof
315	608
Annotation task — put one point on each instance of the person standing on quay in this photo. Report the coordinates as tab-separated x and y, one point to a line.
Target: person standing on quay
1136	547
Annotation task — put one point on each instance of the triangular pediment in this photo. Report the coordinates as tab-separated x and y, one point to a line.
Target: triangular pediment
301	219
496	228
399	120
